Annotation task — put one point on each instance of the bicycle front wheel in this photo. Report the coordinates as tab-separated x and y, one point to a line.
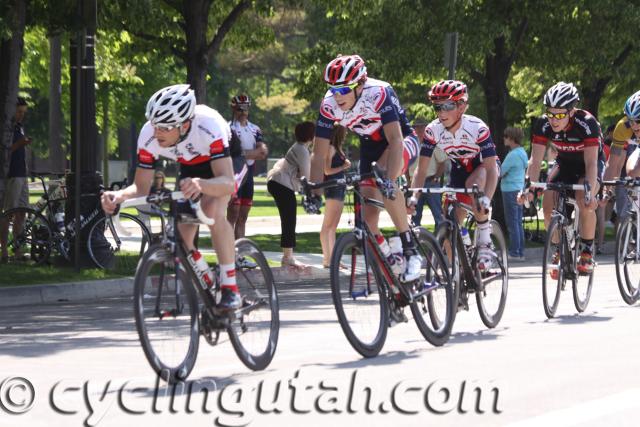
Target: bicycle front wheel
358	297
118	245
255	326
166	313
553	276
434	310
29	236
582	284
627	259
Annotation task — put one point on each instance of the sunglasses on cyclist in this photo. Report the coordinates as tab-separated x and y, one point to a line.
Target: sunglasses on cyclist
342	90
557	116
165	128
447	106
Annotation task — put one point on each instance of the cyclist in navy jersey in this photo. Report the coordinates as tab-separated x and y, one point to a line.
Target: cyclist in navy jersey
370	108
577	136
467	142
197	137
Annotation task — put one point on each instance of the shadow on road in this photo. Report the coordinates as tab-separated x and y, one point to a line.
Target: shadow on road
573	319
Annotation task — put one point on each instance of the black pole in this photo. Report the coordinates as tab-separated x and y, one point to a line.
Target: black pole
77	164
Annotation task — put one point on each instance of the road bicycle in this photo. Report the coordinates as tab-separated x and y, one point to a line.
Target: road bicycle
367	295
34	233
627	243
489	286
174	304
562	249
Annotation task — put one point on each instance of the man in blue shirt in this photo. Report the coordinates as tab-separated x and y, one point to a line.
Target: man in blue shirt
511	183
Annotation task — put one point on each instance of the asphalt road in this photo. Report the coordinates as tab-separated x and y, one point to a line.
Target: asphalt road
75	364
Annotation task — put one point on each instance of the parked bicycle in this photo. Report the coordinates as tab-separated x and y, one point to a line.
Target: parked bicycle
368	296
627	244
34	233
174	304
562	249
459	244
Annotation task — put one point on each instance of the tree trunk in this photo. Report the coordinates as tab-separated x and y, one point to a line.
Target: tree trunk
10	58
56	153
196	17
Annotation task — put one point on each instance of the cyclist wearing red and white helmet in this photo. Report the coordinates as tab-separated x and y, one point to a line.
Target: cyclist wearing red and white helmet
577	136
370	108
467	142
197	137
251	147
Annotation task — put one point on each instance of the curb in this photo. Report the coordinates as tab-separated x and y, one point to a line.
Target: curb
95	290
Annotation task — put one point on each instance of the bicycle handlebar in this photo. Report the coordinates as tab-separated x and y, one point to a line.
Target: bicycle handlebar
159	198
474	191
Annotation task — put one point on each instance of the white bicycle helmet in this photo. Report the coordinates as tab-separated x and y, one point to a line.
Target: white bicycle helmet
561	95
632	106
172	105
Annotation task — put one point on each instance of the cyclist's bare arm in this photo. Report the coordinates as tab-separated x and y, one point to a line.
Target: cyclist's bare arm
394	137
259	153
140	187
421	173
221	185
492	176
320	148
537	154
633	165
617	157
591	166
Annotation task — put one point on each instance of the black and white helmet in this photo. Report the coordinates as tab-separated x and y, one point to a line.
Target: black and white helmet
172	105
561	95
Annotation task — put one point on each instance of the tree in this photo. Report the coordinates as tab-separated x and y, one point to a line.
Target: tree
11	46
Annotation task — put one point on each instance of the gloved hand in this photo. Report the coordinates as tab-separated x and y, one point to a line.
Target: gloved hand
312	204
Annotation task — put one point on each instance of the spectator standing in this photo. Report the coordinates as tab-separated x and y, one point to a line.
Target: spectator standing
512	182
283	180
16	190
435	172
159	182
335	164
252	148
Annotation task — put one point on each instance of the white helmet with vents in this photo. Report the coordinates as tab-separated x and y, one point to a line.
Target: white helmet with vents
170	106
561	95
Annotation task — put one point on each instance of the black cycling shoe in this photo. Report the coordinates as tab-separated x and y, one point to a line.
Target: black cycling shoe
229	300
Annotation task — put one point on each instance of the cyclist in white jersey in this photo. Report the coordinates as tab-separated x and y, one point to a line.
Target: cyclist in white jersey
467	142
197	137
370	108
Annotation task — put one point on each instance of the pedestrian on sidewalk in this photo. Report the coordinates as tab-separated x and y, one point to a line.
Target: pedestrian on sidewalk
336	163
511	183
283	180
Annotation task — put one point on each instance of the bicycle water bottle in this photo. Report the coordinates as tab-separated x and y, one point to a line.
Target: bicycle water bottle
466	239
201	268
59	220
396	258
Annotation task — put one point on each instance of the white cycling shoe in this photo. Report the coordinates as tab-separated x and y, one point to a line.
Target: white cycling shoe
414	268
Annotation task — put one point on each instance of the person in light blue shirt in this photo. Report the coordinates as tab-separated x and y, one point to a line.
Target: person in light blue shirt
512	181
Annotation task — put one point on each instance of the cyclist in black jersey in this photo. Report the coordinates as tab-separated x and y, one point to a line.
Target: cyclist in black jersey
577	136
198	138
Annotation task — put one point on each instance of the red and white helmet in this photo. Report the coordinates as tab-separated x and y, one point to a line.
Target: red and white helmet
448	90
240	100
345	70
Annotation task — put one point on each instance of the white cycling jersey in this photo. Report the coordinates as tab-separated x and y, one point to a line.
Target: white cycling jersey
208	139
471	140
248	135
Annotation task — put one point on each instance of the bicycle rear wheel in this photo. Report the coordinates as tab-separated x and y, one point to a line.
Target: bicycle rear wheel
255	326
29	236
433	312
358	296
166	313
443	236
627	260
118	245
553	276
491	294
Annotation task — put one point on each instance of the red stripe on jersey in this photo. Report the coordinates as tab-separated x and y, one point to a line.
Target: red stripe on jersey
145	157
216	147
383	96
591	142
540	140
483	135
